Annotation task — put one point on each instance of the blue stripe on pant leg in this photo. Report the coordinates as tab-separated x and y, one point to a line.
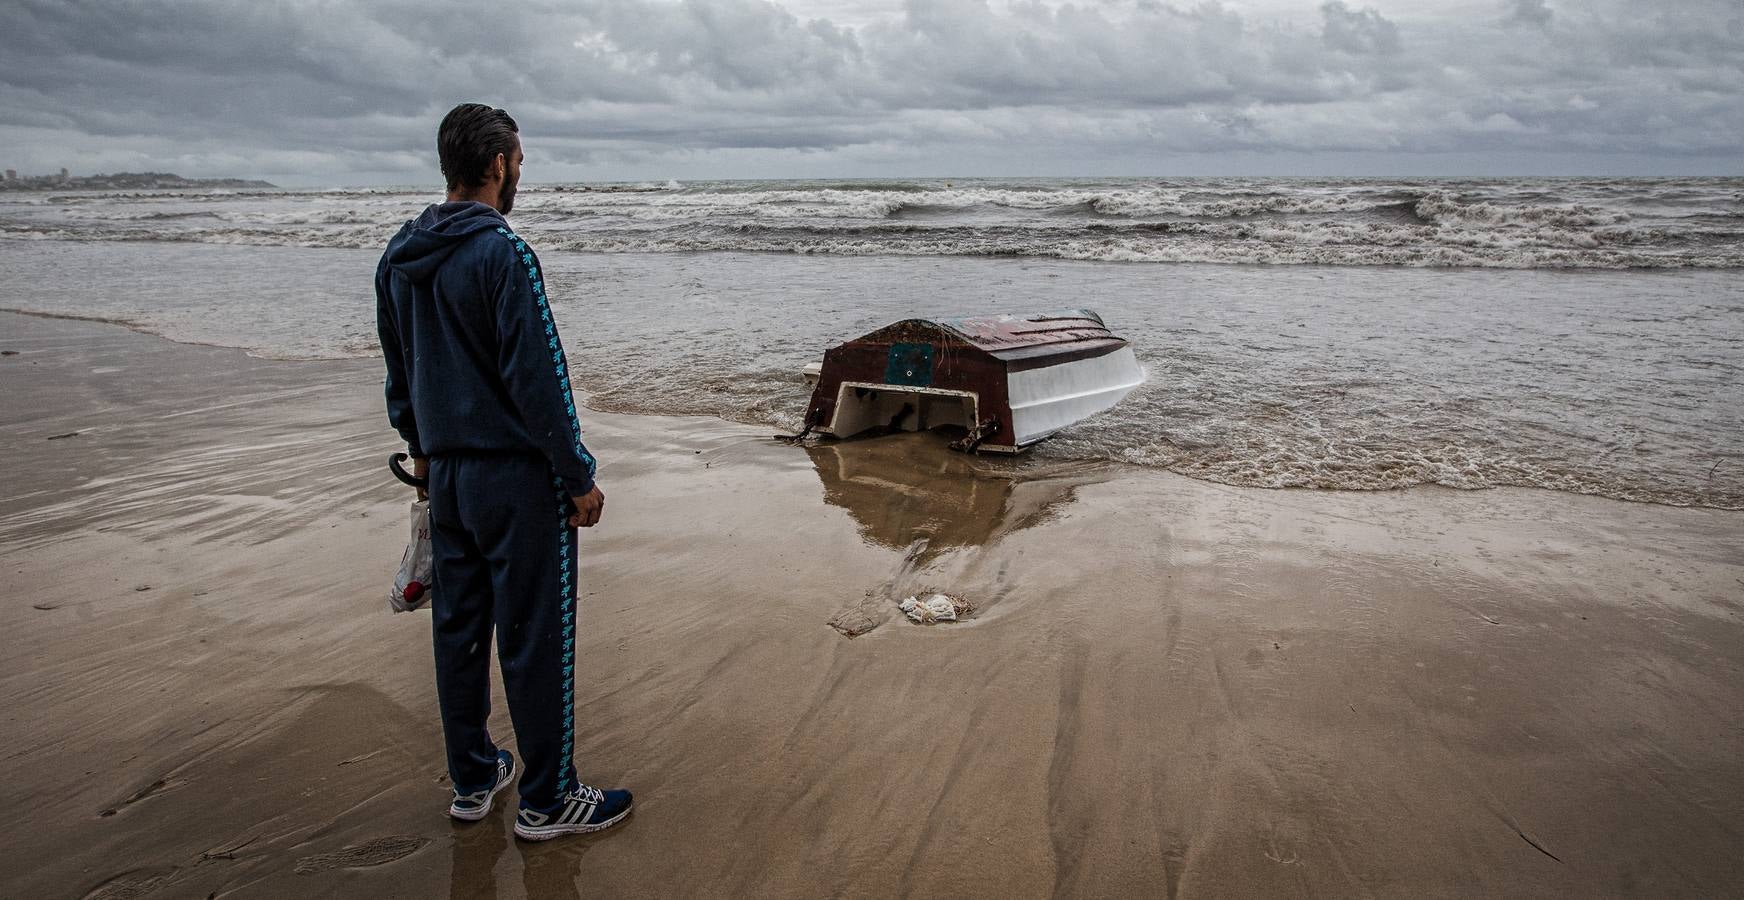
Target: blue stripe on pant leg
534	593
566	639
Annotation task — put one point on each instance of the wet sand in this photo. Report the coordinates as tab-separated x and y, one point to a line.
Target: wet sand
1169	689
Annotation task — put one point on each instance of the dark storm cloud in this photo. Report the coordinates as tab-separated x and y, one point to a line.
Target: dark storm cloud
329	91
1358	30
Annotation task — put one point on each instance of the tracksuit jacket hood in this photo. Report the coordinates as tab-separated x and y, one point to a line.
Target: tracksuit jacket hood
426	242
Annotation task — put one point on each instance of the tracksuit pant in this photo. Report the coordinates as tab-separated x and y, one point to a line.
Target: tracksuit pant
505	558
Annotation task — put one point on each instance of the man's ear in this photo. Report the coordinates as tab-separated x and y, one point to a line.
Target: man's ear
499	168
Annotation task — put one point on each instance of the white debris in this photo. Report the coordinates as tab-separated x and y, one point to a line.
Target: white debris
930	608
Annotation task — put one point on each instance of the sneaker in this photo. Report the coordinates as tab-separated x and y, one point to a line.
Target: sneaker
474	806
583	810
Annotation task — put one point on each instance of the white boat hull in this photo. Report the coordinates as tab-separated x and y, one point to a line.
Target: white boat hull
1050	398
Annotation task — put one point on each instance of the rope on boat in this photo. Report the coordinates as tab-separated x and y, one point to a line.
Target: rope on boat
970	442
810	423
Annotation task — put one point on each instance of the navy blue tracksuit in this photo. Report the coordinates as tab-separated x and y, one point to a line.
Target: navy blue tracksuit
477	381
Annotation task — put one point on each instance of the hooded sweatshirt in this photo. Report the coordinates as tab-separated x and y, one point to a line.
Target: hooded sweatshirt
474	362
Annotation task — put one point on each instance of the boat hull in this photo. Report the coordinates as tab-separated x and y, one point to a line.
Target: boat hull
1047	399
1005	381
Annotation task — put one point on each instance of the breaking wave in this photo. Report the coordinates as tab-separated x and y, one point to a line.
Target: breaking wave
1517	223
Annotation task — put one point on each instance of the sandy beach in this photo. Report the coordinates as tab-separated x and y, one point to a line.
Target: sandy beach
1169	688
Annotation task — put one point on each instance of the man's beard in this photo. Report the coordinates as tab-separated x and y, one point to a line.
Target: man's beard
506	196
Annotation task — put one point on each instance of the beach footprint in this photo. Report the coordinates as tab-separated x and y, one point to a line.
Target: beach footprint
134	883
377	852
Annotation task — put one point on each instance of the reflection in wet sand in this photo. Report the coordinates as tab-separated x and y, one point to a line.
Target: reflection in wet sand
553	869
477	846
905	488
548	869
908	492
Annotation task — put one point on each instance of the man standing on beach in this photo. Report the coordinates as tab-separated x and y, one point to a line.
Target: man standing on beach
478	385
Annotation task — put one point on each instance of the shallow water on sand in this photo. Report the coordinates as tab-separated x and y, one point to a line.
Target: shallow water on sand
1617	383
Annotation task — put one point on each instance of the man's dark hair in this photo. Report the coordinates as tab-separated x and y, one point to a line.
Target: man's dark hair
471	135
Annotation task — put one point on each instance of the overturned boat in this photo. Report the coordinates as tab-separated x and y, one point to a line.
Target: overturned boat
1006	381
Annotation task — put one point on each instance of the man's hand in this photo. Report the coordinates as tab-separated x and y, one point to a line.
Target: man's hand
421	469
588	509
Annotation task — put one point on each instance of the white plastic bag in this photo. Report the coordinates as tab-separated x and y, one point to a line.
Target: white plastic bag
418	567
929	609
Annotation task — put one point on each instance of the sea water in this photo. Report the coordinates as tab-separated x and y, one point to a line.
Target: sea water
1582	335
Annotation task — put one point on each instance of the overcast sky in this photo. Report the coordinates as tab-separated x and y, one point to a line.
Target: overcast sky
348	92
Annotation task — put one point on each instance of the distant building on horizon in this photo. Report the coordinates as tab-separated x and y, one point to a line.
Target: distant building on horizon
11	174
64	175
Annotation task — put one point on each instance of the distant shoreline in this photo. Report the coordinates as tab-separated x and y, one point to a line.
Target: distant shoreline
124	181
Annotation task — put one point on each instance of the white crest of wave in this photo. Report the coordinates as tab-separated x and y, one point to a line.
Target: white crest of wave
821	203
1137	204
1506	224
1253	249
1445	207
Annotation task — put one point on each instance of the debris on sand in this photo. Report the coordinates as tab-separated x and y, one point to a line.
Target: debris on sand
929	609
853	621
